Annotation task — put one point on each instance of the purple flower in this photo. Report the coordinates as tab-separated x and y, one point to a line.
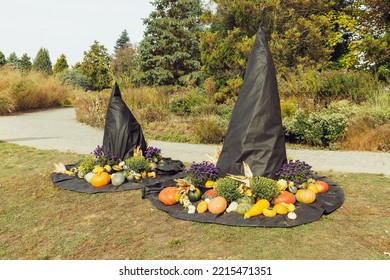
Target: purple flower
153	154
200	173
104	158
295	171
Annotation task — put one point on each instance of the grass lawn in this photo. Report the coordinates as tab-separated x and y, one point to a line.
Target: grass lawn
38	220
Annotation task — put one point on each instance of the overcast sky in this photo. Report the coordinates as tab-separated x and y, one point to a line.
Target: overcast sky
68	26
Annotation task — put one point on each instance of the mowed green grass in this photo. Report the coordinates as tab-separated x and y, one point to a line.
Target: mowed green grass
38	220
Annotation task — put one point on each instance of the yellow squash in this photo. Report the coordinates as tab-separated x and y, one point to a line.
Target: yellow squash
257	208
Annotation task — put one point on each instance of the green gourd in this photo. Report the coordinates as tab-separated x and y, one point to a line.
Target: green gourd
242	208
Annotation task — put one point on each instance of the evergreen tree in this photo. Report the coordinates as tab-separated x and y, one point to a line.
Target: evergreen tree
123	40
61	65
123	64
25	63
169	53
3	61
42	62
13	60
96	67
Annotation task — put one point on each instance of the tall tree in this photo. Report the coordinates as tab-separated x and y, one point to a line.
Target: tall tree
123	64
25	63
374	33
299	33
61	64
13	60
96	67
169	53
3	61
123	40
42	62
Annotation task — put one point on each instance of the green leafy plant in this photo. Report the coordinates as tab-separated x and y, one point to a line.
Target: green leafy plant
325	127
263	187
137	164
228	188
87	164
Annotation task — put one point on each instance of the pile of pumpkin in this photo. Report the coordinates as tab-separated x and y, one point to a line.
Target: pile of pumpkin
227	195
102	170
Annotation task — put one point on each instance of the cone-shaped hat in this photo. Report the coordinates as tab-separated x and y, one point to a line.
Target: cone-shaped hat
122	132
255	133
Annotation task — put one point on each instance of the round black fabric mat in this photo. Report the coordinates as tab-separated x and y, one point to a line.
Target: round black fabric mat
325	203
171	169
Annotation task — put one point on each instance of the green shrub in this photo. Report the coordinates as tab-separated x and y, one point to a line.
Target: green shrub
87	164
228	188
355	86
73	78
263	187
325	128
321	128
288	107
327	86
137	164
186	104
295	126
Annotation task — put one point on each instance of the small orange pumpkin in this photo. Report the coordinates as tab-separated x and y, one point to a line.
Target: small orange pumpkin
321	186
169	195
100	179
305	196
285	197
217	205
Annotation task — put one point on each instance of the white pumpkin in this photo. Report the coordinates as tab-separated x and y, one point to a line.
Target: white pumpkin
117	179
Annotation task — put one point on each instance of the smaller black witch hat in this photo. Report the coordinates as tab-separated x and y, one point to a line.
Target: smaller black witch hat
122	132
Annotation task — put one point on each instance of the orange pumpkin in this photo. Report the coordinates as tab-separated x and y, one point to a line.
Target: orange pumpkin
305	196
321	186
217	205
169	195
284	197
100	179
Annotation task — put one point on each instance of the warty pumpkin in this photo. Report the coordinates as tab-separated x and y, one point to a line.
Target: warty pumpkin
169	195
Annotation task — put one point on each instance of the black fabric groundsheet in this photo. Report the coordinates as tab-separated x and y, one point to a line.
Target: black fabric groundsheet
167	171
325	204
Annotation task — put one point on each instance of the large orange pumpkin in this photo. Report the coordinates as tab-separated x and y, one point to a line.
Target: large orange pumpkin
169	195
285	197
100	179
217	205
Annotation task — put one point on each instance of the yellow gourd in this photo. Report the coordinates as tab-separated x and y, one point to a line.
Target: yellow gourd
257	208
202	207
281	209
269	212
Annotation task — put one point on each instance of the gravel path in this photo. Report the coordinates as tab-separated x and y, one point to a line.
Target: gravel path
57	129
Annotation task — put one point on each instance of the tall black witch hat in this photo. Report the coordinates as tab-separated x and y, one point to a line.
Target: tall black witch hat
122	132
255	133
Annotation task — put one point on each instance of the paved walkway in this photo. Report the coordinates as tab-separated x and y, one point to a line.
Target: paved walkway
57	129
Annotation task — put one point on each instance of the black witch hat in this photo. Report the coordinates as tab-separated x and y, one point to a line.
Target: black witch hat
122	132
255	133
